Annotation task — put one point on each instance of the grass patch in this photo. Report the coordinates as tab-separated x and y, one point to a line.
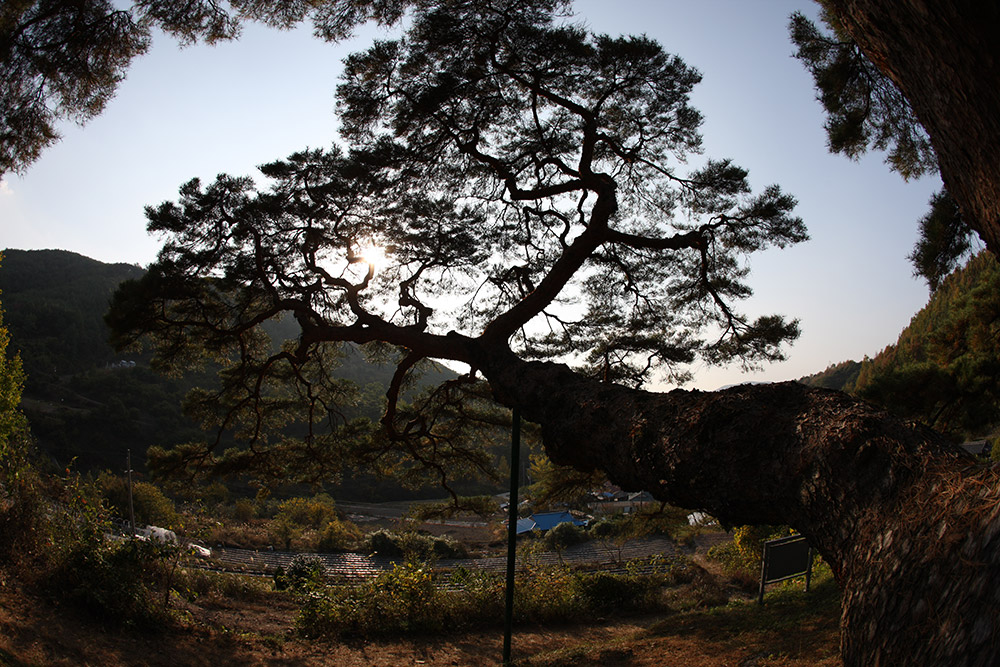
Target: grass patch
792	627
194	583
788	624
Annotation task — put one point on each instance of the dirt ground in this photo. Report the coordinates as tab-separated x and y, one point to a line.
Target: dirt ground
219	632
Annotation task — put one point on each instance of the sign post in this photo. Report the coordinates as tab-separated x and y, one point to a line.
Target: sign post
785	558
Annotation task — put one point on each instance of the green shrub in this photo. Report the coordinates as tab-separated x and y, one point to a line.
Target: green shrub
313	512
195	583
150	504
667	520
339	536
413	545
445	547
119	583
606	528
564	535
743	555
22	524
480	594
405	601
546	595
384	543
605	591
243	536
305	572
396	602
244	511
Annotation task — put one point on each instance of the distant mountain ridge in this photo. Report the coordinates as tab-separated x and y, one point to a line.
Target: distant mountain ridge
81	402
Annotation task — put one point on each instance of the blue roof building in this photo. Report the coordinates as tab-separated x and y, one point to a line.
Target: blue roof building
543	521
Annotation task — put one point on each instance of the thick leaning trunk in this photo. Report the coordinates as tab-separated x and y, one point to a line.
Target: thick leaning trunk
944	56
908	523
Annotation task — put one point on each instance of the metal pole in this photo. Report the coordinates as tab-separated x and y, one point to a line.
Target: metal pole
131	509
515	467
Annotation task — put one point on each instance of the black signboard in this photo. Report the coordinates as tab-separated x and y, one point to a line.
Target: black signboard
785	558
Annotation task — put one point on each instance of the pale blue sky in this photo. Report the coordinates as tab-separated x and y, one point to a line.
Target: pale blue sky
200	111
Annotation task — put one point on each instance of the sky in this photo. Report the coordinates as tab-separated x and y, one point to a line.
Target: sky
201	111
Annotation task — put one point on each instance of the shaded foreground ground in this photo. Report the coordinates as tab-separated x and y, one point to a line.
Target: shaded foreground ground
792	629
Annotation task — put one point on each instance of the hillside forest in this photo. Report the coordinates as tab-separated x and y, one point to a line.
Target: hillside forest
944	369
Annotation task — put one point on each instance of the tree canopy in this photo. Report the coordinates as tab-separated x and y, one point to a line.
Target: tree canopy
526	182
866	111
63	60
916	81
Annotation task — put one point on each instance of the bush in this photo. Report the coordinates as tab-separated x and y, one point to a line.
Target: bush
151	506
384	543
117	583
282	532
564	535
244	511
305	572
339	536
312	513
546	595
404	600
667	520
243	536
21	501
605	591
396	602
743	555
413	545
445	547
605	529
195	583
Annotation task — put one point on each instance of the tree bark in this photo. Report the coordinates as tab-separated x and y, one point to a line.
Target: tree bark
908	522
944	55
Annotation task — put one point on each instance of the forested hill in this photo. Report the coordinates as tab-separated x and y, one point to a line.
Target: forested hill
944	369
836	376
82	402
55	302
